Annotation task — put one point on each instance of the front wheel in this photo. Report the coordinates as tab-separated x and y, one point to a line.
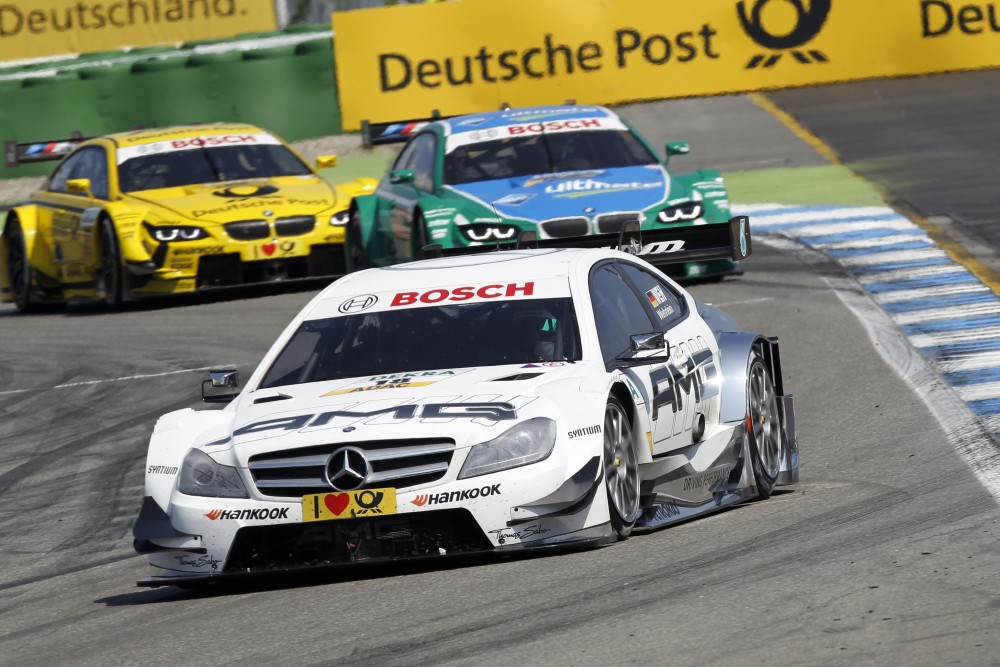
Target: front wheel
764	427
418	236
621	469
109	275
18	267
357	255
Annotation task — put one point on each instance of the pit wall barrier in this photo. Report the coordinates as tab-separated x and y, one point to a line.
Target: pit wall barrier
630	50
289	89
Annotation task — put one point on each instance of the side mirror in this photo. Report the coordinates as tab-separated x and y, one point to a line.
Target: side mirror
221	386
401	176
677	148
643	343
648	341
326	161
79	186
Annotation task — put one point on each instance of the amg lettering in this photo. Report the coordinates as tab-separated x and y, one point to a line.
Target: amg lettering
492	411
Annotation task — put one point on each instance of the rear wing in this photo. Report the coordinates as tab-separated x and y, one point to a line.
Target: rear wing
39	151
670	245
374	134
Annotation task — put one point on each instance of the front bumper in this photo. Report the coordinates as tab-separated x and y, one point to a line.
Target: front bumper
201	539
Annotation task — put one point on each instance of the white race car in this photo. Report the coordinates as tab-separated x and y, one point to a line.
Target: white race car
492	402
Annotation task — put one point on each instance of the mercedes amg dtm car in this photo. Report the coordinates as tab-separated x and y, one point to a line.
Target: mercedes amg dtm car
491	402
170	210
565	172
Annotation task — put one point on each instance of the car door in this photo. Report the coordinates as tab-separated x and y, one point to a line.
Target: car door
72	216
420	157
630	299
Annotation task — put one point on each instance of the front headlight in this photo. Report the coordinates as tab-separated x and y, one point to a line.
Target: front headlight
201	476
489	232
528	442
166	234
340	219
682	212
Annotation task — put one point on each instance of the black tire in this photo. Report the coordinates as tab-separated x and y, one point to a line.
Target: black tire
419	235
357	256
621	469
18	267
109	271
764	427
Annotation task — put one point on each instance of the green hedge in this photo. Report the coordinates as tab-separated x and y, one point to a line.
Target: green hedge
290	90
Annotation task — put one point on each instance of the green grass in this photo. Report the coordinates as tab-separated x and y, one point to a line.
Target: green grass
833	185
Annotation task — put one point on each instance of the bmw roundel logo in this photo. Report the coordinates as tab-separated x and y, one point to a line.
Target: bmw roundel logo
358	303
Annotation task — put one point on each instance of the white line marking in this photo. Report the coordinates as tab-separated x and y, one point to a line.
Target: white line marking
971	362
930	292
855	244
975	392
951	337
949	313
896	275
71	385
889	257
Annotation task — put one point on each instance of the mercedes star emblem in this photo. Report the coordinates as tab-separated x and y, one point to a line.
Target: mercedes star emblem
347	469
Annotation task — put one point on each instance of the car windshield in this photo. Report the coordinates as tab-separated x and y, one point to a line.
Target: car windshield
208	165
544	153
428	338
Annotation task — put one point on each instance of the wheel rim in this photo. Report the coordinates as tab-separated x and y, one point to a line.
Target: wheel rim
621	474
764	419
17	266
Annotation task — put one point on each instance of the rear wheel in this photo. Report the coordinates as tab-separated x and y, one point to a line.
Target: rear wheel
621	469
356	252
764	427
109	274
18	267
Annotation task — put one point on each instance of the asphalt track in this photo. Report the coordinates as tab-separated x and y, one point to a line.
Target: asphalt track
885	554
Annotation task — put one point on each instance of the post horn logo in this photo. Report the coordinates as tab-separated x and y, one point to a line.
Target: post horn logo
808	23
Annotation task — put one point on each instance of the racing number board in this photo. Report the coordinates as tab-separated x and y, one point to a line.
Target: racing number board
348	504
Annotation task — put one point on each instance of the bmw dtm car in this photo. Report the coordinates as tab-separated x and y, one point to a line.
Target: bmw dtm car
565	172
170	210
484	403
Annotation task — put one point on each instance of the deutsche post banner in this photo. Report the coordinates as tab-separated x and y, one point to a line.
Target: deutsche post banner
404	62
35	28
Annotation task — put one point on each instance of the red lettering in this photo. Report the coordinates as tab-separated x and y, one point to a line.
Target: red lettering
434	295
515	129
178	144
484	294
403	299
463	293
526	289
592	122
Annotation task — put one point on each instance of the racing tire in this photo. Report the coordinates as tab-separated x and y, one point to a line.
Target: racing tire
621	470
357	256
18	267
763	427
419	238
109	271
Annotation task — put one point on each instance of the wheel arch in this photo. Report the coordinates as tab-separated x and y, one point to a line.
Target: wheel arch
637	419
735	353
27	219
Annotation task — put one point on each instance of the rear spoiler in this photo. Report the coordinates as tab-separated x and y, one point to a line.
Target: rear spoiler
670	245
40	151
374	134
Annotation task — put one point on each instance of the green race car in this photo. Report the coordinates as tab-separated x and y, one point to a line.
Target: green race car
575	175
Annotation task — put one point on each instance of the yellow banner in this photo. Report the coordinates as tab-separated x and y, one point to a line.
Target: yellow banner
404	62
35	28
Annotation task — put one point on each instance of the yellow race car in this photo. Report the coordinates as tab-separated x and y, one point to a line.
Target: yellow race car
170	210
